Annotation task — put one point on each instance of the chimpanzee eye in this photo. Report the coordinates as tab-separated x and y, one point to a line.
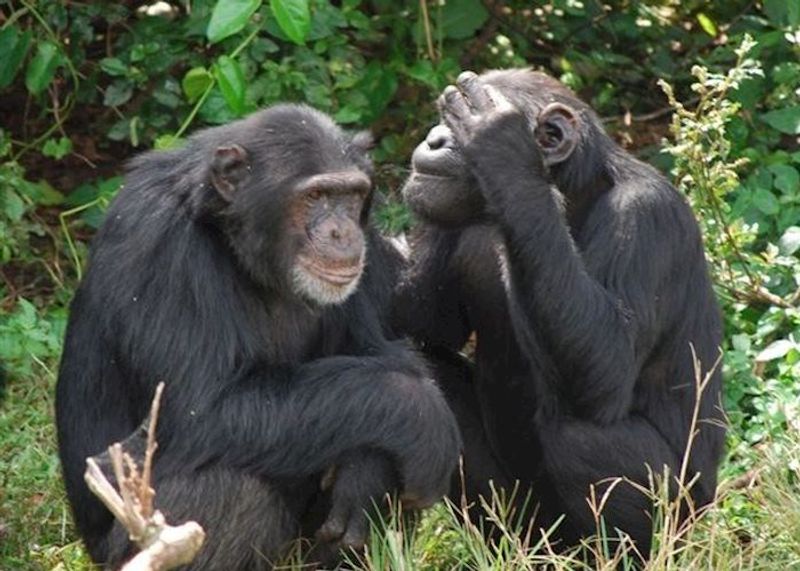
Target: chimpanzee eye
314	195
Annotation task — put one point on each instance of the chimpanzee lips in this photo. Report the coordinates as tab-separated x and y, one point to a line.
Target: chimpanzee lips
335	274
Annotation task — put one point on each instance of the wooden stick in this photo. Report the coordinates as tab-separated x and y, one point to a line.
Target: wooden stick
163	546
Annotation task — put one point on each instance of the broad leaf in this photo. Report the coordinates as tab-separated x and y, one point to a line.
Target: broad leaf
195	82
229	17
14	47
787	179
230	78
790	241
766	202
783	13
784	120
775	350
294	18
42	67
57	148
708	25
113	66
118	93
462	18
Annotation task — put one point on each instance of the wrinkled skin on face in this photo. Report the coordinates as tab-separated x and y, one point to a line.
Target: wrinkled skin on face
326	212
441	188
298	227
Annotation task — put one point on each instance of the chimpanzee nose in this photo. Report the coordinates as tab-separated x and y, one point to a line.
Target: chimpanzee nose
338	231
439	137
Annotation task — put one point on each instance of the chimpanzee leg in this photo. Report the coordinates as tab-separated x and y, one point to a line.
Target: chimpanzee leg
248	523
578	454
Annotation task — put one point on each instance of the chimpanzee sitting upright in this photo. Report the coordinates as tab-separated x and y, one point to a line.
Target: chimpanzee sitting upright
581	271
243	272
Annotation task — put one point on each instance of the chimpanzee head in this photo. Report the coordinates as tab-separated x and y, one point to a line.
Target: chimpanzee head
567	132
292	193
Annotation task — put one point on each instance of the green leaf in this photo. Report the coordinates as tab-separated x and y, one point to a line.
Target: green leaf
294	18
195	82
783	12
775	350
784	120
13	206
462	18
118	93
167	142
766	202
113	66
57	149
14	47
42	67
790	241
787	179
348	114
229	17
215	109
741	342
230	78
708	25
423	72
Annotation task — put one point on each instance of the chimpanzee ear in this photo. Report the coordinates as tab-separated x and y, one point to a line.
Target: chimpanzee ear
364	141
230	167
557	133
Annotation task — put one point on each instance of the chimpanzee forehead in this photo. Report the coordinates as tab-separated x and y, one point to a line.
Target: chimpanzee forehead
300	138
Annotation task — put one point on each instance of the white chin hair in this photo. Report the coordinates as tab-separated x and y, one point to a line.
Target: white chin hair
316	289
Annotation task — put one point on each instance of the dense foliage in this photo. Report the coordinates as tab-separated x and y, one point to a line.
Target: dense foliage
83	86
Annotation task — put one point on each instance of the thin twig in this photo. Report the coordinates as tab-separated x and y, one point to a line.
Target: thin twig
426	23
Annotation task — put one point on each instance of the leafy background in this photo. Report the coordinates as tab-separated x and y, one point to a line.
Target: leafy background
84	86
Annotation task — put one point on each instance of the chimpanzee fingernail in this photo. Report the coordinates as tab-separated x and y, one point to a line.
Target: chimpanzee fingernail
466	77
449	91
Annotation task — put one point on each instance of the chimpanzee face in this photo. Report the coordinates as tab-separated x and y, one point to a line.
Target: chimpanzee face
297	193
325	215
441	188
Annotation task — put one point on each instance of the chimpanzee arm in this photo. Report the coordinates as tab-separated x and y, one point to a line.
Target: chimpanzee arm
281	422
596	332
427	304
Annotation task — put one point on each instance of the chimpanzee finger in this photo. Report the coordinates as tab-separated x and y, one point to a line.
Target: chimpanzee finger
475	93
500	102
357	531
336	524
455	105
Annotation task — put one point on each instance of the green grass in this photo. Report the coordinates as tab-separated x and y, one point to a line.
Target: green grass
37	529
751	528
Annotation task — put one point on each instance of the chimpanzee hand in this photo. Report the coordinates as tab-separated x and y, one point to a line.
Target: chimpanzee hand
489	128
358	485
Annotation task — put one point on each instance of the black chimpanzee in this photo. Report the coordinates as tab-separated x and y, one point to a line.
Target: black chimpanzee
581	271
242	270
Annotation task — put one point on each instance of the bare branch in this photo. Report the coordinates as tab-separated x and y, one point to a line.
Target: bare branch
163	546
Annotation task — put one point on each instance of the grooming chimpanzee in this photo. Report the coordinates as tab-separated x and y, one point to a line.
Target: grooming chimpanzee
243	272
581	271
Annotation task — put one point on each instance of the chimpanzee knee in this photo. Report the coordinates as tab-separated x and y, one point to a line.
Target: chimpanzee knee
248	522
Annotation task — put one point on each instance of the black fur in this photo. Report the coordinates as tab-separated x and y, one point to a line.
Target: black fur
264	391
583	366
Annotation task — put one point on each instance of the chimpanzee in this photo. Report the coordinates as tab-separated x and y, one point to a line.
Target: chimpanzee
582	274
243	272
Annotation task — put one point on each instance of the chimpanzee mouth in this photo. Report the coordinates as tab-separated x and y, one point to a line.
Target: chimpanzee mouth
426	174
326	284
336	275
